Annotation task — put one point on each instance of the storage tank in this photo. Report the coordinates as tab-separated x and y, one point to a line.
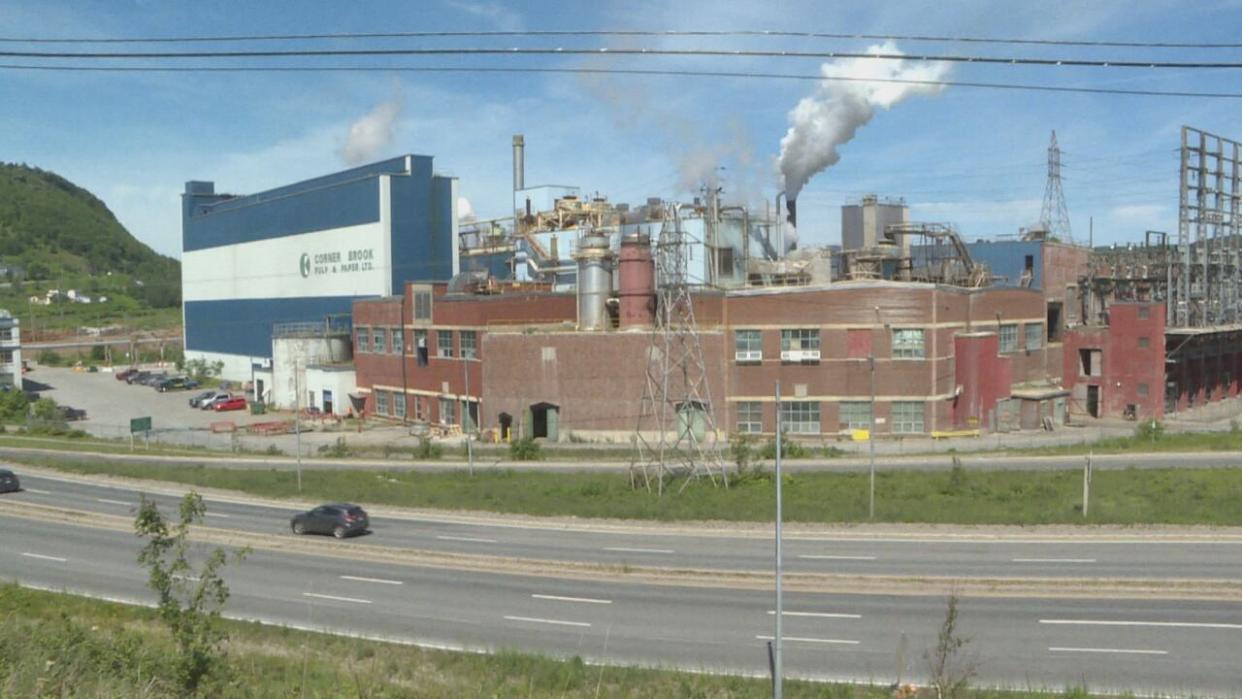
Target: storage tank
637	284
594	256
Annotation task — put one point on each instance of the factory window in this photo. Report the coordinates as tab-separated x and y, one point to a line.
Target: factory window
1034	335
6	357
908	343
448	411
907	417
418	407
420	346
750	417
1008	338
398	341
1142	389
379	340
726	262
747	345
1144	313
800	417
363	342
6	334
469	344
422	305
1054	321
381	402
444	344
854	415
800	344
1143	343
398	405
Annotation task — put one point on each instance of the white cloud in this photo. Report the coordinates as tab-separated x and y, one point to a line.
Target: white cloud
371	134
494	13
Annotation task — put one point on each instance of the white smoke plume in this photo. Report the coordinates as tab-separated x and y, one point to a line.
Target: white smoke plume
371	134
465	210
830	117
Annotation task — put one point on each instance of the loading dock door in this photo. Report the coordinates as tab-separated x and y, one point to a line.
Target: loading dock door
1093	401
544	421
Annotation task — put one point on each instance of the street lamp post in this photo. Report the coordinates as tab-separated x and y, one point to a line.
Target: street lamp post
777	671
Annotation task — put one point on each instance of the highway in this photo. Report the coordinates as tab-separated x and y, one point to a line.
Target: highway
1152	645
959	552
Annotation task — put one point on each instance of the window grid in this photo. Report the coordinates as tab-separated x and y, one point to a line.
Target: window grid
1034	335
444	344
854	415
748	345
469	344
398	341
422	305
363	342
1008	338
750	417
381	402
379	340
800	339
447	411
800	417
907	417
908	343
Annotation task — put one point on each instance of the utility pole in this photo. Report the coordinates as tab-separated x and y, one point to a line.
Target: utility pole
297	419
871	443
465	407
777	670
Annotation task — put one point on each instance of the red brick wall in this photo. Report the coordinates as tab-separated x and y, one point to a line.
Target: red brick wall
1126	364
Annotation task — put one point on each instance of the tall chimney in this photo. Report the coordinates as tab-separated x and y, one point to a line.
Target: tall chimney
791	205
519	162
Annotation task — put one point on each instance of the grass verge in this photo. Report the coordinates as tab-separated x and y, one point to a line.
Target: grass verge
958	496
62	645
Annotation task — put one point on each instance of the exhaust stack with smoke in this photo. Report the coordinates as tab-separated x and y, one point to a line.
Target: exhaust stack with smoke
791	207
847	99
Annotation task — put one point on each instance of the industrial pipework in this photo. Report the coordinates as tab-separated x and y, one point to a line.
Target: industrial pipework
519	162
636	270
594	256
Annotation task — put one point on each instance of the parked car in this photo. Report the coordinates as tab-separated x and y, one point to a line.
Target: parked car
154	379
137	377
125	374
175	383
210	401
9	482
235	403
197	399
71	414
338	519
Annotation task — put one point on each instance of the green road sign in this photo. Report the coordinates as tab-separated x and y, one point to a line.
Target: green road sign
140	424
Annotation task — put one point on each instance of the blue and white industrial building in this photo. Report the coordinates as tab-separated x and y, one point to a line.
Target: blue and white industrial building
303	253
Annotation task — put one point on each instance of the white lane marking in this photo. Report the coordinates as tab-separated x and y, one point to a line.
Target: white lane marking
1054	560
584	600
218	514
556	622
355	600
1123	651
187	578
472	539
37	491
818	615
1162	624
804	639
827	557
45	558
626	549
380	581
113	502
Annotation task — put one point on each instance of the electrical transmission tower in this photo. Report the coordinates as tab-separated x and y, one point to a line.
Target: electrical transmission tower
1055	216
676	433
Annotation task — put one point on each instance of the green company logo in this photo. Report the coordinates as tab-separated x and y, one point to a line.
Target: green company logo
305	265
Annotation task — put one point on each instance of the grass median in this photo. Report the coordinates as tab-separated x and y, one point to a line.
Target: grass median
54	644
957	496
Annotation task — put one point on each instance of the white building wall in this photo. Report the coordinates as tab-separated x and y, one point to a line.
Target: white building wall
290	359
338	384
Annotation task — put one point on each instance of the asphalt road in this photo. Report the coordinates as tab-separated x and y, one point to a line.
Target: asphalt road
1171	647
984	554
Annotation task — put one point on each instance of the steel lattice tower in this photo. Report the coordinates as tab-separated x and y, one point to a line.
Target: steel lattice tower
676	402
1055	216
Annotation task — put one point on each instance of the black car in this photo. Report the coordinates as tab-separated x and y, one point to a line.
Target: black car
9	482
71	414
137	377
338	519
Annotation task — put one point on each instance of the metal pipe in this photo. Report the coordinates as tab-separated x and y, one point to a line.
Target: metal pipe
519	162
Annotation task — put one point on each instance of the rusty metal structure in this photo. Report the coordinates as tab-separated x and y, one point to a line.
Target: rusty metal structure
1205	279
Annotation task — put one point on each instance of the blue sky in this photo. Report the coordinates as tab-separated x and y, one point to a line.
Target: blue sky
972	157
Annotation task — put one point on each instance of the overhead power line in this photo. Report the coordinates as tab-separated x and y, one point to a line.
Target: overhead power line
563	51
619	71
753	33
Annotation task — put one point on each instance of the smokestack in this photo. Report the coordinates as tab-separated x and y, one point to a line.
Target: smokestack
791	205
519	162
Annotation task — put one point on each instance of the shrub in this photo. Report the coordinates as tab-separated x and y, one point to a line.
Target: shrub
50	358
789	449
337	449
1150	430
427	450
524	449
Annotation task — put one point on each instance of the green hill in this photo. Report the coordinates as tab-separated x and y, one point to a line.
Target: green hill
54	234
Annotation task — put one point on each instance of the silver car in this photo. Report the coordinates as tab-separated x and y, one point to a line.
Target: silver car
209	402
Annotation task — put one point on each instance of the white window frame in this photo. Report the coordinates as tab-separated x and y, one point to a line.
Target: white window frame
444	351
398	405
909	343
398	340
1033	340
847	414
748	345
1007	338
362	343
801	417
749	417
379	340
903	417
381	402
800	345
468	350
